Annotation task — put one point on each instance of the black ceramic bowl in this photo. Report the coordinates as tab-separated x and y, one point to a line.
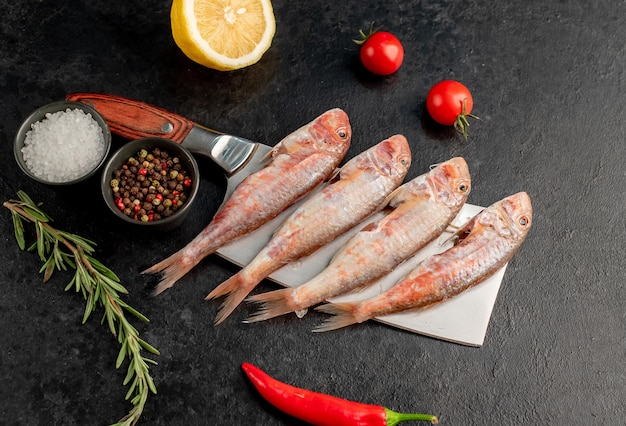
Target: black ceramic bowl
38	116
121	156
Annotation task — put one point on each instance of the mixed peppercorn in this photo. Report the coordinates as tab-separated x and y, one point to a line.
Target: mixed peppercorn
150	186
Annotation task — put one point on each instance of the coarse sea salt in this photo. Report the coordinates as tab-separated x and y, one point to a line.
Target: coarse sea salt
64	146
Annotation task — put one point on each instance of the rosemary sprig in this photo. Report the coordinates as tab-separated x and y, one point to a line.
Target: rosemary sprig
99	286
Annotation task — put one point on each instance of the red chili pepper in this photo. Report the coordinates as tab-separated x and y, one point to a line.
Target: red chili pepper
324	410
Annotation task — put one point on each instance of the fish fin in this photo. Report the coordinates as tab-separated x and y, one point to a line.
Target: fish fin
387	201
227	287
235	289
171	269
273	304
343	316
401	195
266	157
289	144
334	176
460	232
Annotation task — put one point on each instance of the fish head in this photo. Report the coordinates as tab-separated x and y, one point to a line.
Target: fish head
392	157
451	181
331	132
514	214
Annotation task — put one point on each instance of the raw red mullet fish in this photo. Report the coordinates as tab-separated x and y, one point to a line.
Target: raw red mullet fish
359	189
487	242
419	212
297	164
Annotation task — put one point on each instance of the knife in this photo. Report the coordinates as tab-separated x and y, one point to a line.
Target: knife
236	156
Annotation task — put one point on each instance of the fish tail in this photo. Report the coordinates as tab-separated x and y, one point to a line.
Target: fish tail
273	304
235	289
344	314
172	269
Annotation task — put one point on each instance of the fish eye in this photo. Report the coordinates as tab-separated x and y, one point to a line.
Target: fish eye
342	133
404	161
523	221
463	187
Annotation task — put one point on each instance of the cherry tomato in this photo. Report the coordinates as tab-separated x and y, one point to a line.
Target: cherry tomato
450	103
381	52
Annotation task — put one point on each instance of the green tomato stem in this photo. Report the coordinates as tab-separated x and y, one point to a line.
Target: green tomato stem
461	123
393	418
363	36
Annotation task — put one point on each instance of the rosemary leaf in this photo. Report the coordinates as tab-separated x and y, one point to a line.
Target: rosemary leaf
69	260
103	269
131	391
47	269
27	200
136	313
151	361
111	321
115	285
90	305
97	294
121	356
85	279
37	214
131	380
135	400
78	280
70	284
129	374
18	226
147	346
41	243
86	245
59	260
121	334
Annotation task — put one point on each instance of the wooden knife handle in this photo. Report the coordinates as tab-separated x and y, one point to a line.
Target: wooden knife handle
134	119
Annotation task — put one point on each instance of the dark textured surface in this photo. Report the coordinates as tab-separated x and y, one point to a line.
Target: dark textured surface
549	84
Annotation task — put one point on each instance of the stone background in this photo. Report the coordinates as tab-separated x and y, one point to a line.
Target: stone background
549	84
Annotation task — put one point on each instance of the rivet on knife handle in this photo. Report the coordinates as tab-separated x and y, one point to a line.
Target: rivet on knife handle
134	119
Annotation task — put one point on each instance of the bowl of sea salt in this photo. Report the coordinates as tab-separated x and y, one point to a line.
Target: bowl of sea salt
62	143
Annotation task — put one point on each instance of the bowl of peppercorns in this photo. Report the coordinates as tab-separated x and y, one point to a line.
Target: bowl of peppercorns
151	182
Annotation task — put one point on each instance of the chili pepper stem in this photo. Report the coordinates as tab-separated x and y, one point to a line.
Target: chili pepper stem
393	418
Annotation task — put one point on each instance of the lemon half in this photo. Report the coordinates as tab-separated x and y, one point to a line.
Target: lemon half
223	34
